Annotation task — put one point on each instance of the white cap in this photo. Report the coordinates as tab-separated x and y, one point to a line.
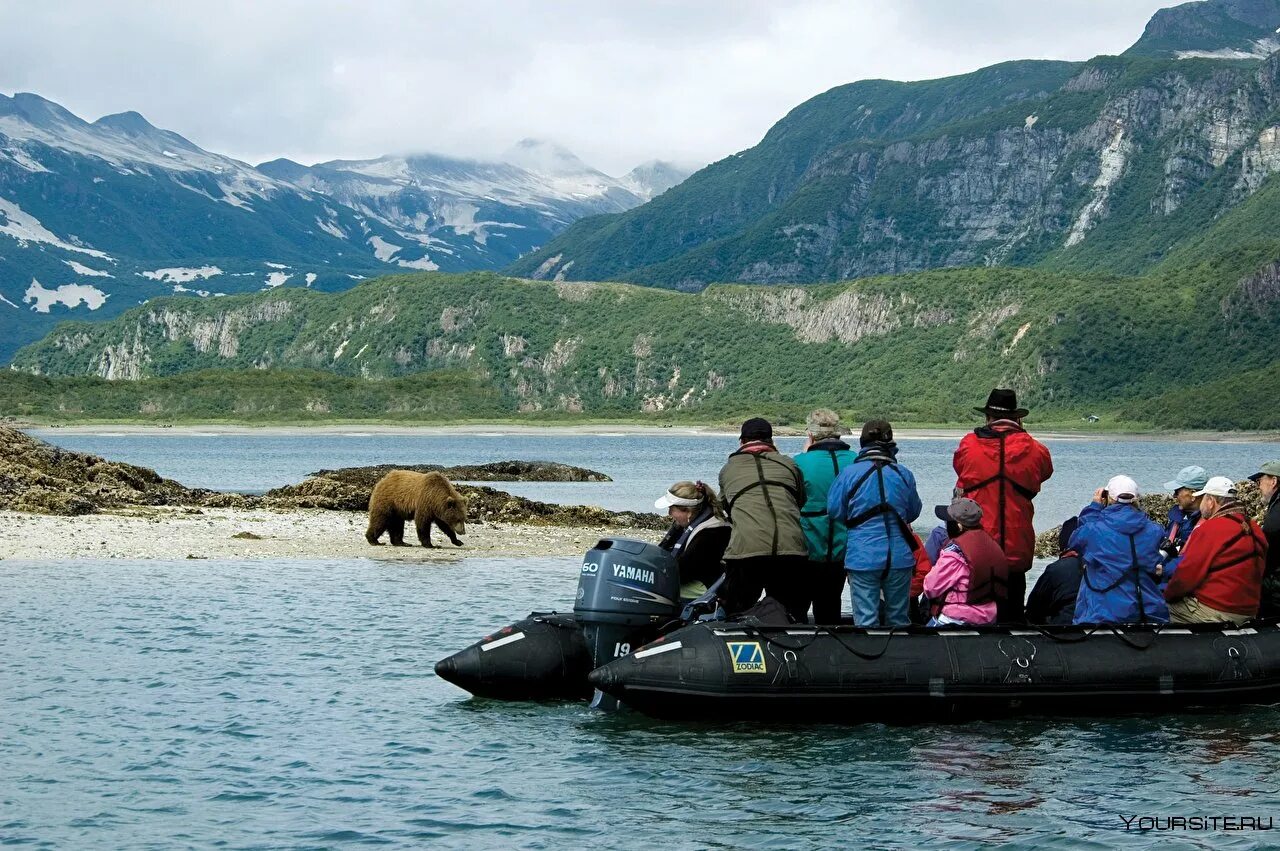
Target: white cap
1123	489
1218	486
669	499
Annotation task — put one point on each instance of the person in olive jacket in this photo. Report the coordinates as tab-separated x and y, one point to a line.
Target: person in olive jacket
762	491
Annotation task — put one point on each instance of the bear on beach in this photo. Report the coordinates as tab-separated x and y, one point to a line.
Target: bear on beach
425	498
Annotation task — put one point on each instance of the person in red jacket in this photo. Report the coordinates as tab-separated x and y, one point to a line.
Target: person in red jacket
1220	575
1001	467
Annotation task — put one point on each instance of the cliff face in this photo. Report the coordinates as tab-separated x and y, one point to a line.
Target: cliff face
921	346
1102	165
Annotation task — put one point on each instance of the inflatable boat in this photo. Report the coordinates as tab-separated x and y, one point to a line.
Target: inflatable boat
629	641
801	673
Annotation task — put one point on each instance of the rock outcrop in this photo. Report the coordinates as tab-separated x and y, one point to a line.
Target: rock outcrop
41	478
497	471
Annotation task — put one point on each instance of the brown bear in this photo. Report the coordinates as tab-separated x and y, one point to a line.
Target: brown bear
425	497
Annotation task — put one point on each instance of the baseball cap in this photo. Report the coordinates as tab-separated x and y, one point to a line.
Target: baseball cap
1188	477
966	512
756	428
1271	468
1123	489
1218	486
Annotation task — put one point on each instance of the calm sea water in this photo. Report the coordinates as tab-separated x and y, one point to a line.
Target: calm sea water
292	705
642	466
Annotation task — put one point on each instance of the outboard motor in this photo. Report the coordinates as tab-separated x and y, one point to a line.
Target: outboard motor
627	590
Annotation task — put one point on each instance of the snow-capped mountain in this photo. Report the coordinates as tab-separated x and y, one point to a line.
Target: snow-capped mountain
651	179
96	217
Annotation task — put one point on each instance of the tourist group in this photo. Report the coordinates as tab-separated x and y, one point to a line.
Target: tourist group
798	529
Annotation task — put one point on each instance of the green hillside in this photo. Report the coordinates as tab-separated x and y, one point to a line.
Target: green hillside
919	347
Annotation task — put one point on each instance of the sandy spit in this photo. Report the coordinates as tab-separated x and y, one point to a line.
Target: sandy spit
176	533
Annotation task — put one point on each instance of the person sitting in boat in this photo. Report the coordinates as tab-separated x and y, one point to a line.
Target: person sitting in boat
876	498
938	538
1120	548
1220	575
823	457
762	491
697	537
972	572
1184	514
1053	600
1268	481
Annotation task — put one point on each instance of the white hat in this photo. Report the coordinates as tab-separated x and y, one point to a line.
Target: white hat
669	499
1218	486
1123	489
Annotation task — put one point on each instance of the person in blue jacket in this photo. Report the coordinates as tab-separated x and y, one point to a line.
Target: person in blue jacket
1120	548
875	497
1184	514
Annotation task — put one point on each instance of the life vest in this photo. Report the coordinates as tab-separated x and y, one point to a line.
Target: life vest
1000	478
1135	570
833	452
882	509
795	491
1257	550
988	567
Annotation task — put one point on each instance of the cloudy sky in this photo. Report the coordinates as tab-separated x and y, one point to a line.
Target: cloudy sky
616	82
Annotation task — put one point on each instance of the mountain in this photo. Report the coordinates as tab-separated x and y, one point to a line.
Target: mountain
1110	164
98	217
651	179
1213	29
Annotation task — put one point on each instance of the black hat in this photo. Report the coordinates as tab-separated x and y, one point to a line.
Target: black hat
876	431
756	428
1003	404
1064	534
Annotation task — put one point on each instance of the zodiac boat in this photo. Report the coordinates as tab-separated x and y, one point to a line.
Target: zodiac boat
626	642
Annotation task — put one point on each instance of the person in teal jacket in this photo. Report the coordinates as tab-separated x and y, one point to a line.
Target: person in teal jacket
822	459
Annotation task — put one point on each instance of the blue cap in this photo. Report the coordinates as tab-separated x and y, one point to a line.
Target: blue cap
1189	477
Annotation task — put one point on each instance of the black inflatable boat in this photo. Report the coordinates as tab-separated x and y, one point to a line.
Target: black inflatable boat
626	639
798	673
628	591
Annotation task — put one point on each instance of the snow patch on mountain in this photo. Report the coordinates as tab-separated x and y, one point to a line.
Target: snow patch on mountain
26	228
1261	49
424	264
11	304
382	249
42	299
330	228
81	269
310	278
277	279
182	274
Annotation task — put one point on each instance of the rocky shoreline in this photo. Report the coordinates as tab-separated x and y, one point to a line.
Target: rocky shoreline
1156	506
126	511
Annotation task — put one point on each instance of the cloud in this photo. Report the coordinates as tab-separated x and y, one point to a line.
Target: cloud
617	82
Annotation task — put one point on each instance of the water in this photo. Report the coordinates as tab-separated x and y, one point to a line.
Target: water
642	466
292	705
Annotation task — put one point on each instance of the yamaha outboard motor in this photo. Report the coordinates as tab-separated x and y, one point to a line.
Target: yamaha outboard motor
626	591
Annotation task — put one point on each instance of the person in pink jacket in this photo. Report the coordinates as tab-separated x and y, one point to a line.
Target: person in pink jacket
971	574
